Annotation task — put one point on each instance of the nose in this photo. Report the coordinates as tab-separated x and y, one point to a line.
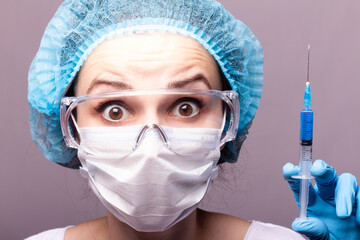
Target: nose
155	127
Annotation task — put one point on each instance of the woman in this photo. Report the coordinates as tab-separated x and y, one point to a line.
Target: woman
158	94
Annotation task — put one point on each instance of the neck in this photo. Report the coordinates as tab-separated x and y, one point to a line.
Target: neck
185	229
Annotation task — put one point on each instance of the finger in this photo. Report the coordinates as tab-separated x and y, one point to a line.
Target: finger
325	178
345	195
289	171
313	228
358	206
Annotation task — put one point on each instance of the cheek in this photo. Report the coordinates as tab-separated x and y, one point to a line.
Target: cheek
86	116
81	117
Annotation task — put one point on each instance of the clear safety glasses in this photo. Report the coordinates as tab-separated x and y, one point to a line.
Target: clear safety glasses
174	114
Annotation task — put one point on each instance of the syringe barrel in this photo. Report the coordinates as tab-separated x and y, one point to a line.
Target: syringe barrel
306	127
305	160
306	137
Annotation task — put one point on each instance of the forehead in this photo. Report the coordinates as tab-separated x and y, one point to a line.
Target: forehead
148	61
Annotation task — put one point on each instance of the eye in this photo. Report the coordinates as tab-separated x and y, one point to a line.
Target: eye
186	108
114	113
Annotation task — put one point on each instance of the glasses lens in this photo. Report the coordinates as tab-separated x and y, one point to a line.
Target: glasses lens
178	115
172	110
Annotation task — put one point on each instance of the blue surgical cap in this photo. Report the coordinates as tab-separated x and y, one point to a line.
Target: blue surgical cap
79	26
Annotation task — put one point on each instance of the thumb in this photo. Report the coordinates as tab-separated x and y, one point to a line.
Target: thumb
313	228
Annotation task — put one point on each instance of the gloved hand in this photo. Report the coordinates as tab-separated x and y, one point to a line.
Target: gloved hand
334	203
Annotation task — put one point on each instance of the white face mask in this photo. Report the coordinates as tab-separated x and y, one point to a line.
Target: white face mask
152	188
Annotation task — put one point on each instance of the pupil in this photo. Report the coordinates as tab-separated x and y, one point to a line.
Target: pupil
186	110
116	113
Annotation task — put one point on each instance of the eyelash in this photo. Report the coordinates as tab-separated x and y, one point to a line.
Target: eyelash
103	105
198	102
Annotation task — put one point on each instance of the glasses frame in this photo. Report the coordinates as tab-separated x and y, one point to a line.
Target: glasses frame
230	97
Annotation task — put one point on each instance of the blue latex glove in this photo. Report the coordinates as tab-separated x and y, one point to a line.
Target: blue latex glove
334	203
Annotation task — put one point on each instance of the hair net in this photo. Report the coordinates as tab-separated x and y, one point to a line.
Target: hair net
79	26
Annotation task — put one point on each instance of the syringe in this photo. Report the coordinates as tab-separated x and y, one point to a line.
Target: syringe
306	137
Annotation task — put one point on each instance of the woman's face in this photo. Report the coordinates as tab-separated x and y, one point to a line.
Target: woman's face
146	61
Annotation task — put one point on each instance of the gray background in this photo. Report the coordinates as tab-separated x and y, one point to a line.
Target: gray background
37	195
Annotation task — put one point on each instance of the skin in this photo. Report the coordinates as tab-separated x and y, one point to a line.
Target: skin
147	61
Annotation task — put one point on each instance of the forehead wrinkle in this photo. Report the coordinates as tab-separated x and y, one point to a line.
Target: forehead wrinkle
158	57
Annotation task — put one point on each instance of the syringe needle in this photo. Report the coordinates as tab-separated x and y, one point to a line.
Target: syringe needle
308	65
307	95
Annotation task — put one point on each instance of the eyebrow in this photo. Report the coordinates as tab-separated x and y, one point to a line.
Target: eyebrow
125	86
117	84
182	83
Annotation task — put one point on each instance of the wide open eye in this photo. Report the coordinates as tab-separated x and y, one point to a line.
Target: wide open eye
113	111
186	108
